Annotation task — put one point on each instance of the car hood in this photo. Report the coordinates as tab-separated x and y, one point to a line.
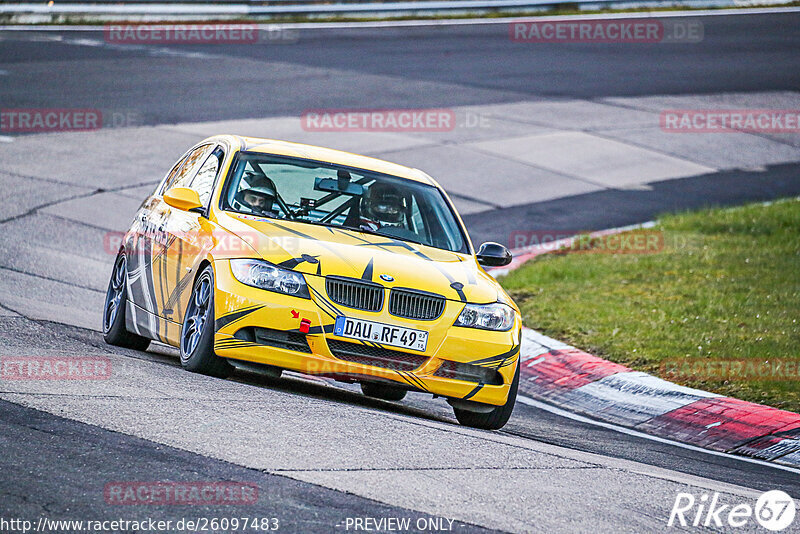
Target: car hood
323	251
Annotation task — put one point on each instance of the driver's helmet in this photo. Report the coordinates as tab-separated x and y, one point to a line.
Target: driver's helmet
383	203
258	200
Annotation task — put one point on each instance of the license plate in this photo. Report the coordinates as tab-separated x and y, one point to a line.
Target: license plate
385	334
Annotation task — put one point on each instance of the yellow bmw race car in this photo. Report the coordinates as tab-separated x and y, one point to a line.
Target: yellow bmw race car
268	255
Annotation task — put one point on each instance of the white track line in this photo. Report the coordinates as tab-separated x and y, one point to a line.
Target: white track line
621	429
442	22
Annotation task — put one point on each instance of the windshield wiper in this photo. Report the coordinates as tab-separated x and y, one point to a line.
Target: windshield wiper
375	232
327	225
360	230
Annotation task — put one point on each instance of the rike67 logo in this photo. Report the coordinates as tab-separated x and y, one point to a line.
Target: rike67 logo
774	510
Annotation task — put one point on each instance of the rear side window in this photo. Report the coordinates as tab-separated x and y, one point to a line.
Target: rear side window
181	177
171	176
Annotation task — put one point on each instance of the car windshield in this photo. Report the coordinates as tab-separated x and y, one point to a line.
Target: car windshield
324	194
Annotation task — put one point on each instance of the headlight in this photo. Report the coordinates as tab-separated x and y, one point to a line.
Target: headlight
264	275
495	316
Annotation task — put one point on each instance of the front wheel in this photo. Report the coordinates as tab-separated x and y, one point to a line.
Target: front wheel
197	332
114	331
497	417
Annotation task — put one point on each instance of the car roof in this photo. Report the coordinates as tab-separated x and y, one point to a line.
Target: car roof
330	155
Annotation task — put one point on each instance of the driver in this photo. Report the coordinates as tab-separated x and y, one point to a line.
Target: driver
258	199
383	205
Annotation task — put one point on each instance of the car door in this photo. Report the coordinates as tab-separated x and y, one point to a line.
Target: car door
189	236
141	244
156	222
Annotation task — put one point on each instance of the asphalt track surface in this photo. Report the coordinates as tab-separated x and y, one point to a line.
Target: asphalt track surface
419	67
320	453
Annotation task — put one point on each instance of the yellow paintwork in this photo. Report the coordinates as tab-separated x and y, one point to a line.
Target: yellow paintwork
183	242
183	198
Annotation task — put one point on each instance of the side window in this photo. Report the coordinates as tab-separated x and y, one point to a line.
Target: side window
203	183
181	177
171	176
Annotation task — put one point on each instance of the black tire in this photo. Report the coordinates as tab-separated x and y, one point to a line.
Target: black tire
114	331
197	331
383	391
498	417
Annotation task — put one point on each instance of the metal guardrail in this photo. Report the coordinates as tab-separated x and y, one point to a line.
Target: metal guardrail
197	9
255	8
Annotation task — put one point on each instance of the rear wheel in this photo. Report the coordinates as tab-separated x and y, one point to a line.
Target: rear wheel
497	417
114	331
383	391
197	332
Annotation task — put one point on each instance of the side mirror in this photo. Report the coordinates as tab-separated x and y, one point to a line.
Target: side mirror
183	198
493	255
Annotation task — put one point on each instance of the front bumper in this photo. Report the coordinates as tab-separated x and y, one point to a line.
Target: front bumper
241	309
